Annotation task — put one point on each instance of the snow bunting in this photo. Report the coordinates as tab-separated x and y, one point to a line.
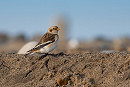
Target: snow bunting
47	43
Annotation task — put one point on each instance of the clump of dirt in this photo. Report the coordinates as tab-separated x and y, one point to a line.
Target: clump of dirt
80	70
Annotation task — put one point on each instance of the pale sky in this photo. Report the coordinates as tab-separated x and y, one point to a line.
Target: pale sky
87	18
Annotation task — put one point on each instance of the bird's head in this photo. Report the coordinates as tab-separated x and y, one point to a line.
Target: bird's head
53	30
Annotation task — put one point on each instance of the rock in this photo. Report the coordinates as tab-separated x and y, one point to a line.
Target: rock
62	82
73	44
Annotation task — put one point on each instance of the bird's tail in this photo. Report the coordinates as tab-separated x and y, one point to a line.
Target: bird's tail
28	53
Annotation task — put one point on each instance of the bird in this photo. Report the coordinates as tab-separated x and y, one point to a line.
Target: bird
47	43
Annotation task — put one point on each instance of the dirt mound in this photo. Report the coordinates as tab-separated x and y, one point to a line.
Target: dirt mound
86	70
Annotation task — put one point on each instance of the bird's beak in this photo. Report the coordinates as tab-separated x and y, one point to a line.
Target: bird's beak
58	29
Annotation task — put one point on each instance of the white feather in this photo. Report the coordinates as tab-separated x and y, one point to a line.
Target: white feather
27	47
48	49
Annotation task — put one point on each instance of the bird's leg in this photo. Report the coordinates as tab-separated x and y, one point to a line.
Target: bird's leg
48	55
43	55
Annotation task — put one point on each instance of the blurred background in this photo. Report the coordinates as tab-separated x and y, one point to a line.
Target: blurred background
86	26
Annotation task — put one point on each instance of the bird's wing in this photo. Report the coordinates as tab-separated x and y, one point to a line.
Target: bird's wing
46	37
45	40
41	46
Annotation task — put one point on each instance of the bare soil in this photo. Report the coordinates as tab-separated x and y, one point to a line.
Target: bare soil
68	70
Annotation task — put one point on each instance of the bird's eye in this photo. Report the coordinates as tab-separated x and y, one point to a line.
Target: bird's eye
50	30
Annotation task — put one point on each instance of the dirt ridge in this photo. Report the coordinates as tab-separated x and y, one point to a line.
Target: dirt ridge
81	70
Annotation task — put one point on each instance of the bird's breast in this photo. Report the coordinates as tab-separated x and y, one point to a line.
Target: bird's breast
52	46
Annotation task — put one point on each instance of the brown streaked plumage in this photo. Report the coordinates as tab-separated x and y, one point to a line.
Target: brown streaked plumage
46	37
48	42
